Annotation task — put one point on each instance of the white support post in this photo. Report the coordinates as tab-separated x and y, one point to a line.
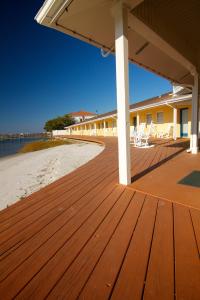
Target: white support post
195	116
122	82
138	121
175	123
90	129
95	128
104	128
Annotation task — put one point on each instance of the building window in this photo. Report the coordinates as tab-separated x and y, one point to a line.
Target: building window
160	117
102	125
148	119
106	124
99	126
135	122
114	124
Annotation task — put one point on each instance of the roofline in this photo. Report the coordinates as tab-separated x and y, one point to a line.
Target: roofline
174	100
43	11
47	6
113	115
78	114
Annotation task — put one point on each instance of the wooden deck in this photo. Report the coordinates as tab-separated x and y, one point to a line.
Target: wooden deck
87	237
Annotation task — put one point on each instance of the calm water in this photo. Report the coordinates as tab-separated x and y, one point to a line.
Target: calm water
12	146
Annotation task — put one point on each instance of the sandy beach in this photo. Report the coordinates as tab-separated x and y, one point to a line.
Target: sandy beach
23	174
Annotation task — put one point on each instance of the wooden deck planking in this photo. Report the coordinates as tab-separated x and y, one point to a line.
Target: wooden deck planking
47	230
196	225
64	242
102	279
79	271
18	235
160	274
84	236
187	265
130	281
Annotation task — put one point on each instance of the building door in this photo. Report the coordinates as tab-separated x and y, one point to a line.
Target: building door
135	122
184	122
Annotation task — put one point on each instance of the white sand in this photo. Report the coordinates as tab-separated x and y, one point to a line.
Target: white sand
23	174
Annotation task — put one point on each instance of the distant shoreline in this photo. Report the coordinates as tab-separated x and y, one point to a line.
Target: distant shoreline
12	146
14	137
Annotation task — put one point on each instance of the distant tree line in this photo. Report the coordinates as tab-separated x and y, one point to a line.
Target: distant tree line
59	123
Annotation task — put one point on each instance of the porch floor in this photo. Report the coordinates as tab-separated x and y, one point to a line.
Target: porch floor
86	237
157	171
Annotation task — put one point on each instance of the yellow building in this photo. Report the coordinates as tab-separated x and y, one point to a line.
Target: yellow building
170	114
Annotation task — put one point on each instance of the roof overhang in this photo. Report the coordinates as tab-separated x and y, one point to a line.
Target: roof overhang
92	22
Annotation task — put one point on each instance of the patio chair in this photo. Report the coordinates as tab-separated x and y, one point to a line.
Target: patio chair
140	139
153	130
165	134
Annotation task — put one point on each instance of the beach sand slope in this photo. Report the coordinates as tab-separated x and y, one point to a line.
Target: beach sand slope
23	174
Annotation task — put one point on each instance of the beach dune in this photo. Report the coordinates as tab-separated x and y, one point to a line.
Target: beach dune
23	174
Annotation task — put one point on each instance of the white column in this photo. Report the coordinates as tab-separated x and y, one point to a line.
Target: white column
122	82
175	123
195	115
90	129
138	121
104	128
95	128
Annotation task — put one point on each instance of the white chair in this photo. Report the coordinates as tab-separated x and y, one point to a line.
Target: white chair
141	139
165	134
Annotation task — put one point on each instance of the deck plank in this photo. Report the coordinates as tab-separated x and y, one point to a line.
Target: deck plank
160	273
74	234
64	221
69	286
187	264
131	278
66	211
102	278
195	215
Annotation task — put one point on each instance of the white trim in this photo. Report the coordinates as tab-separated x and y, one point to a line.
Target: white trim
174	100
44	10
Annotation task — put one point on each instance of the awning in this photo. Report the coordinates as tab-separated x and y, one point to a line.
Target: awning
172	53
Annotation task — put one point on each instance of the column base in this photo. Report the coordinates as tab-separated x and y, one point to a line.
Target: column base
194	150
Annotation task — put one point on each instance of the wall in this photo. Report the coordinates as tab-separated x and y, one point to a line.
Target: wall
108	127
60	132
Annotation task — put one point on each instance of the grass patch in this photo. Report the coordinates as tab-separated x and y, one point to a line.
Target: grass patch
40	145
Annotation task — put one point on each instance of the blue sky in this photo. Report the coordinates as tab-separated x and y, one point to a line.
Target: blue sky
45	73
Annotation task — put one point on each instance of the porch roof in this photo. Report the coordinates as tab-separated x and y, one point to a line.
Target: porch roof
162	34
